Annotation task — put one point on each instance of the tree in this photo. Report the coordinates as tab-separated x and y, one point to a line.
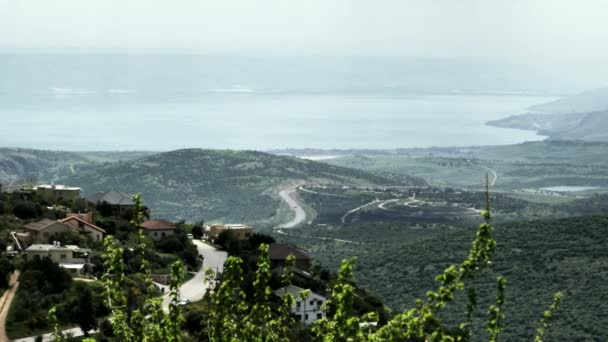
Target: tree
197	231
104	208
82	310
26	210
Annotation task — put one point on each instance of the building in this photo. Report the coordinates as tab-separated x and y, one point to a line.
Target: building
42	232
280	251
84	226
158	229
239	231
307	309
119	201
57	193
70	257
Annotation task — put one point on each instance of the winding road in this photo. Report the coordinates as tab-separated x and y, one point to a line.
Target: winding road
288	195
493	173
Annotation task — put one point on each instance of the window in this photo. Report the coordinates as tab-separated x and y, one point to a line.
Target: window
155	234
319	315
63	256
162	234
312	302
299	317
98	237
297	304
306	317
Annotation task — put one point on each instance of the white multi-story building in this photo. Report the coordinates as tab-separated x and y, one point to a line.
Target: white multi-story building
307	309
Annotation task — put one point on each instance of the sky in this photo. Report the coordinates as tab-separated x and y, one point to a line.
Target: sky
520	31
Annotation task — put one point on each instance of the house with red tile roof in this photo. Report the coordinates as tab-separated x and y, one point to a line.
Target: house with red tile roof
42	231
158	229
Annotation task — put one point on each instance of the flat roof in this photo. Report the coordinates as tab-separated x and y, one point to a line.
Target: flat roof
58	187
48	247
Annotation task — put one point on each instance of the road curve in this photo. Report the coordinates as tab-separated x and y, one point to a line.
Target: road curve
288	196
493	173
195	288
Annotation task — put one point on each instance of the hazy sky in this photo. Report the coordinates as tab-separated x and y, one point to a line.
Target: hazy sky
514	30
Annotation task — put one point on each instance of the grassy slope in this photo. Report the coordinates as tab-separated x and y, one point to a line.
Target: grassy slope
399	263
214	185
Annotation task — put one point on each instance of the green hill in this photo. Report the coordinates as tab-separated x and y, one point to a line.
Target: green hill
215	185
19	164
399	263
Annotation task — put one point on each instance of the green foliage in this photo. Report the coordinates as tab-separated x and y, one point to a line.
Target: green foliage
146	319
104	209
81	309
496	314
27	210
548	318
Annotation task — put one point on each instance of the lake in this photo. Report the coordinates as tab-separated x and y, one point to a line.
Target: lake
124	119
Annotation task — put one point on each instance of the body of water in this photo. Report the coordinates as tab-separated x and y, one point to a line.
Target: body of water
123	119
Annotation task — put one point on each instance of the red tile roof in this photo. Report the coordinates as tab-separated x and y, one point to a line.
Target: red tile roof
157	225
71	218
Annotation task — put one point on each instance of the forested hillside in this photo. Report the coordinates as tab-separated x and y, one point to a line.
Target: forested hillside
399	263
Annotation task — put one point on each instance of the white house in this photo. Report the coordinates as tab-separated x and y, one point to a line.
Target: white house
70	257
306	309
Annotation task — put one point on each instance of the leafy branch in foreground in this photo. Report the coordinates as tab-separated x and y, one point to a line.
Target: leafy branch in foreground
548	317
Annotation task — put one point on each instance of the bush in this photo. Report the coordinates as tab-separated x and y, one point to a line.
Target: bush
27	210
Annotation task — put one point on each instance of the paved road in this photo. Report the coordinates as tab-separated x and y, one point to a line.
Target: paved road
343	219
194	289
288	195
493	173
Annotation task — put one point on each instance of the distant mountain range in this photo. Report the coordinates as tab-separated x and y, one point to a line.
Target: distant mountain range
579	117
